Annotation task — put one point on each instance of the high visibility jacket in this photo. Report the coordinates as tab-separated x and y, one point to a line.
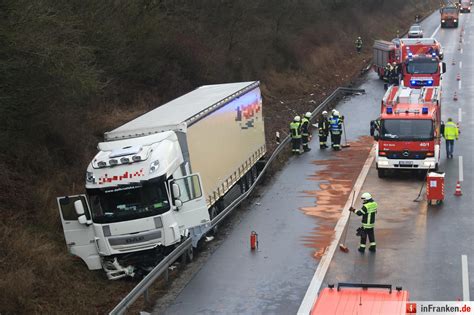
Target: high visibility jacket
323	126
358	43
368	211
305	127
451	131
295	130
335	125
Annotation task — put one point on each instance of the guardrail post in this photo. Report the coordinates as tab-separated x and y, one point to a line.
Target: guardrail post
166	275
146	297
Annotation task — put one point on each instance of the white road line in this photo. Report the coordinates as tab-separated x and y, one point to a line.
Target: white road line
462	50
461	171
465	278
459	84
459	115
323	266
436	31
460	64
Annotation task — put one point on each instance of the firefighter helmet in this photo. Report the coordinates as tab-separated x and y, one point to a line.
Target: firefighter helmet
335	113
366	196
324	113
297	118
308	115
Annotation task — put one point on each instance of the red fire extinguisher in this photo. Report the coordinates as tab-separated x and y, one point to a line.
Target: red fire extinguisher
253	240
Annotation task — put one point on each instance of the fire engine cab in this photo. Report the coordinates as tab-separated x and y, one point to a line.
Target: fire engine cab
408	130
420	60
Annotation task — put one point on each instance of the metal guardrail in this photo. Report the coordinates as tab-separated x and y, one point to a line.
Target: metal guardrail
162	267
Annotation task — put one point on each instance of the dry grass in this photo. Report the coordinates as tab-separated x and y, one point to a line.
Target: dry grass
38	276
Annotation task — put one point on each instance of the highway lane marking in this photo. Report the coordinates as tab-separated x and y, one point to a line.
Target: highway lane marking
461	171
323	266
436	31
460	64
462	50
459	115
459	84
465	278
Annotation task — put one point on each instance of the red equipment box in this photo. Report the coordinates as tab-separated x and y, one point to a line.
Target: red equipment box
435	188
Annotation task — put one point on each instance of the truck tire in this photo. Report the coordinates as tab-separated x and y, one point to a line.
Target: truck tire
381	173
213	212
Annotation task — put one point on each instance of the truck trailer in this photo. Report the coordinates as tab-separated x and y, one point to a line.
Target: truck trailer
163	177
408	130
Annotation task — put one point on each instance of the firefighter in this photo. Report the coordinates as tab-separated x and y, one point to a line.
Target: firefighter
295	133
323	128
358	44
387	72
335	127
394	73
305	131
450	133
368	212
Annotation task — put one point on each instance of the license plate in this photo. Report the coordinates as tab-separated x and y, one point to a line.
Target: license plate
406	162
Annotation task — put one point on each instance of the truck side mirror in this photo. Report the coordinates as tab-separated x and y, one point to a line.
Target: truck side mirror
82	219
79	207
178	203
372	128
443	66
176	190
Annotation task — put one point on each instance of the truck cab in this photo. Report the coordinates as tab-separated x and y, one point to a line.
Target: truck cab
420	61
138	198
408	130
465	6
449	16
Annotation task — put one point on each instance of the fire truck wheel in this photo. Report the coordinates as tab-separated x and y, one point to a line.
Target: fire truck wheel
381	173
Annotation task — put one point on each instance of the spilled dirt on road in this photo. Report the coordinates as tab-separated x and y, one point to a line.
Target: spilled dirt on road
336	178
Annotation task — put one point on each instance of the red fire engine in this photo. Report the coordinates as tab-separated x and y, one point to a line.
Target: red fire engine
408	130
349	298
419	59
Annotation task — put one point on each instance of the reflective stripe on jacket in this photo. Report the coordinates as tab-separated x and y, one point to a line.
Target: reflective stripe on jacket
368	212
295	130
451	131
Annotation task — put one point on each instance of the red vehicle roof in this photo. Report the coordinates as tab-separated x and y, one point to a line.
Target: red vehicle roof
356	301
407	103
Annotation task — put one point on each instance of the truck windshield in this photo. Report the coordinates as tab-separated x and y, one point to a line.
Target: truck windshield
450	10
125	203
407	129
424	66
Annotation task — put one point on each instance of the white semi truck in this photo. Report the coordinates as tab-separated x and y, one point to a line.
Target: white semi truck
163	177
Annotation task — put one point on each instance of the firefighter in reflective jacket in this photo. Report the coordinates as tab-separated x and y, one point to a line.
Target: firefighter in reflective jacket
368	211
295	133
335	127
305	131
358	44
323	128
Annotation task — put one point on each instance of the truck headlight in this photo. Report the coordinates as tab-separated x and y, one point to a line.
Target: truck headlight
455	20
383	163
154	166
442	21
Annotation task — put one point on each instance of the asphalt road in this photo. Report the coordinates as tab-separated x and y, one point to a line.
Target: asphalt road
419	247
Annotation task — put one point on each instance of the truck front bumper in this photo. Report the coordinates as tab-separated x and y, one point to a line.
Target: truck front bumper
384	163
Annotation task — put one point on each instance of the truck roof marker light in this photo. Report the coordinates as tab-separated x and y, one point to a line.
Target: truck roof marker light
124	160
136	158
389	110
424	110
101	164
430	82
413	82
113	162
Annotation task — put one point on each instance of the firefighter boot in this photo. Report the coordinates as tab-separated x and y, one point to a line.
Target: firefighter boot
361	248
372	248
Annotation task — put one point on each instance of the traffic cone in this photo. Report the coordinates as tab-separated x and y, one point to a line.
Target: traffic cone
458	77
453	62
458	191
455	97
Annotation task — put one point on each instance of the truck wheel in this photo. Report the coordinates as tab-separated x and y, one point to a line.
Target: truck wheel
381	173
